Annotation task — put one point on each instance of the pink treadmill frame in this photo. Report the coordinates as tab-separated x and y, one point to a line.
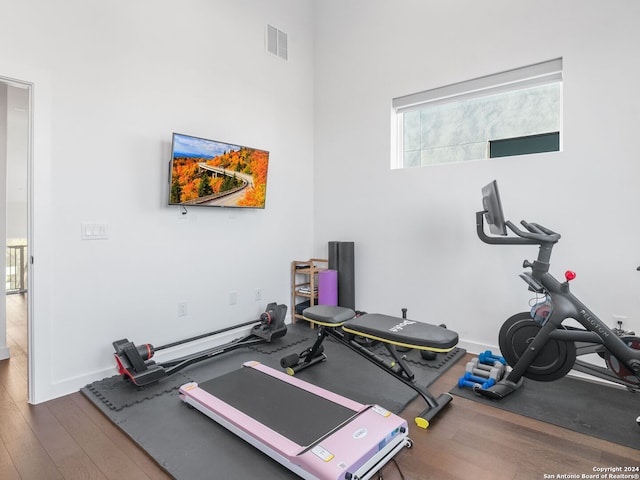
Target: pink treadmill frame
361	446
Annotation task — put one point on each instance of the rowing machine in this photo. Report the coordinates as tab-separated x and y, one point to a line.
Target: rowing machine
134	362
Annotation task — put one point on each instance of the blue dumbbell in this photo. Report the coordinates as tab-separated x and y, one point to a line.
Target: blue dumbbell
493	356
485	382
489	358
463	382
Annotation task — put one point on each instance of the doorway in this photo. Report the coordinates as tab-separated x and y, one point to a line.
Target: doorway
15	161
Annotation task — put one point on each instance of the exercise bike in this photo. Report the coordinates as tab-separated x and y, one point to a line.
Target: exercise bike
537	344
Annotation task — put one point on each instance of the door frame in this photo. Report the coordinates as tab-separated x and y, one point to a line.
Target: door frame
30	294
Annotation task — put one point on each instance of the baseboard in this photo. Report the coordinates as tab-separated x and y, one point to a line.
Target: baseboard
477	348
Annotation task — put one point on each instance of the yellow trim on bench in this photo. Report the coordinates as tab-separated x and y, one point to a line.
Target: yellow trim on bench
373	337
325	324
399	344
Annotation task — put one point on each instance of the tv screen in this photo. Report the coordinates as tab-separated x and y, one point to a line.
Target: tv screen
216	174
493	209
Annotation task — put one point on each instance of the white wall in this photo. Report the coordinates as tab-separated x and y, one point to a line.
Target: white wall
416	244
112	81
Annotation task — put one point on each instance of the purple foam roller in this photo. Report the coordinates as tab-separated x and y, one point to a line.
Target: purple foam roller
328	287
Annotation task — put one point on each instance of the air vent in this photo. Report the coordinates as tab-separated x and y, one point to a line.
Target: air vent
277	42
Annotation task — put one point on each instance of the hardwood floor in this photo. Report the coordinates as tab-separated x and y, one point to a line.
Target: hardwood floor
65	438
68	438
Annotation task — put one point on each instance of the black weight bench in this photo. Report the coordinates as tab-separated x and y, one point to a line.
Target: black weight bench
343	325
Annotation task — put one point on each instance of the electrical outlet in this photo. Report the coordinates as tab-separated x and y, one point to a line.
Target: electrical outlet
619	319
182	309
258	295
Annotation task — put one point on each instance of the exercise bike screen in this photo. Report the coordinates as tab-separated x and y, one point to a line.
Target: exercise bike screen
295	413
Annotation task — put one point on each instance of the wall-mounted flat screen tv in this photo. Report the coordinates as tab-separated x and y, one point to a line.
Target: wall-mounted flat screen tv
216	174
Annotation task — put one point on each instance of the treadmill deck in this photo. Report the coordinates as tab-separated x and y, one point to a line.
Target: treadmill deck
314	432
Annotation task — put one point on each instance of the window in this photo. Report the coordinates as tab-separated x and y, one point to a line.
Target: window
515	112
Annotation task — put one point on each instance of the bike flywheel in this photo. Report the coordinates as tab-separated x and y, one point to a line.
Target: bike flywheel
554	360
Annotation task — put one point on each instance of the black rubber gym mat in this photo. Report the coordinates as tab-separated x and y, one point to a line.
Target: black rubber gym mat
190	446
117	394
580	405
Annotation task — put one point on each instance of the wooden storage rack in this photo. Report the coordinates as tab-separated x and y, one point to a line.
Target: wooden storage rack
304	282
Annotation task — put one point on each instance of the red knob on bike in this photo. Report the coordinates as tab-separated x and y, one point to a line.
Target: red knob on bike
569	275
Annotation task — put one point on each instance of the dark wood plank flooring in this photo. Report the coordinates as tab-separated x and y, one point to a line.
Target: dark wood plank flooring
68	438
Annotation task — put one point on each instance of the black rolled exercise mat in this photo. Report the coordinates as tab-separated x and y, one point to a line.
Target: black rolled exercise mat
190	446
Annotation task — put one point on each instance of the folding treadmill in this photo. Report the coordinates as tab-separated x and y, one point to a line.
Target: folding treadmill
315	433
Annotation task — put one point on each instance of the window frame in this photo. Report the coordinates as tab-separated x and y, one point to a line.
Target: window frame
543	73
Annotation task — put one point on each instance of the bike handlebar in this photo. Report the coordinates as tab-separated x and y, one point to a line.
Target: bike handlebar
536	232
535	235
